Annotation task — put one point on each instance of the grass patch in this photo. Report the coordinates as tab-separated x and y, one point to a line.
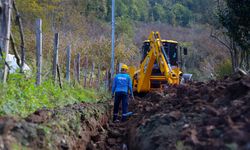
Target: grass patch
21	97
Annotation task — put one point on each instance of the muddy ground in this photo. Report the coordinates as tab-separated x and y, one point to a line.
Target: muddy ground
213	115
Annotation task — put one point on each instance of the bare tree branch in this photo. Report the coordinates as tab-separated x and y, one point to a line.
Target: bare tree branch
12	43
219	40
20	25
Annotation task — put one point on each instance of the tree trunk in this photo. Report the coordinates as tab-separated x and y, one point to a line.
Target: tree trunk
236	56
232	60
229	44
248	59
242	58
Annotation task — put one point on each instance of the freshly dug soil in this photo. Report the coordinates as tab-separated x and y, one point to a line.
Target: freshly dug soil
213	115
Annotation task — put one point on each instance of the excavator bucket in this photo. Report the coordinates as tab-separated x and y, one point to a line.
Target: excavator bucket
186	77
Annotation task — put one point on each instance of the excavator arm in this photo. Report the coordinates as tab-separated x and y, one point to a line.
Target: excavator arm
172	74
146	69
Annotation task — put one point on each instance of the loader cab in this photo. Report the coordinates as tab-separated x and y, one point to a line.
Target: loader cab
145	49
170	47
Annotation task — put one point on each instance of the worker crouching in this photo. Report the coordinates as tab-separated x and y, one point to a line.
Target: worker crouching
121	89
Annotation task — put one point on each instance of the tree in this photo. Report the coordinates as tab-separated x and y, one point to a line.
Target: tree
124	26
143	8
182	13
234	17
158	12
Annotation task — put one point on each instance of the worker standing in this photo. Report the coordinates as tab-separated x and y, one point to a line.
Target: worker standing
121	89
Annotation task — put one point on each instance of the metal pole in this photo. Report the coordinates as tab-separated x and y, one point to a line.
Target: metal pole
113	40
55	56
39	44
78	66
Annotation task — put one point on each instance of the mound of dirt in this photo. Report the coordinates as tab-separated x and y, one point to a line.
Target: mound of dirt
213	115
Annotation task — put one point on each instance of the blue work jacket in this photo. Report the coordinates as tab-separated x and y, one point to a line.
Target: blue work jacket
122	83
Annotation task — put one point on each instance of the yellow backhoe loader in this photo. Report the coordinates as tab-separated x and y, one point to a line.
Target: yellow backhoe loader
159	66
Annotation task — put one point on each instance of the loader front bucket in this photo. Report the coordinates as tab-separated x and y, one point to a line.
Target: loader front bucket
186	77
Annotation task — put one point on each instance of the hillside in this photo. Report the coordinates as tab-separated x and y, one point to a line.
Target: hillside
85	25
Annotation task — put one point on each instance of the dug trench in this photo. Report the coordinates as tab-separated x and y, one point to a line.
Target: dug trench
212	115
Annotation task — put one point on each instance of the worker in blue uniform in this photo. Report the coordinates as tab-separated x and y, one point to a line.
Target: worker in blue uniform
121	89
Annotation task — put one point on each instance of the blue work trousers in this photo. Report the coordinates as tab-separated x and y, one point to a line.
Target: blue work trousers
121	96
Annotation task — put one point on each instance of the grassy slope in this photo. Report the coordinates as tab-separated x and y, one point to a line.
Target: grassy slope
20	96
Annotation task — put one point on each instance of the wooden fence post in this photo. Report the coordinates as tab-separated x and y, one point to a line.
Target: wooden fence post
78	69
68	63
7	29
1	24
91	75
55	56
86	71
99	77
39	37
1	36
59	75
74	71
